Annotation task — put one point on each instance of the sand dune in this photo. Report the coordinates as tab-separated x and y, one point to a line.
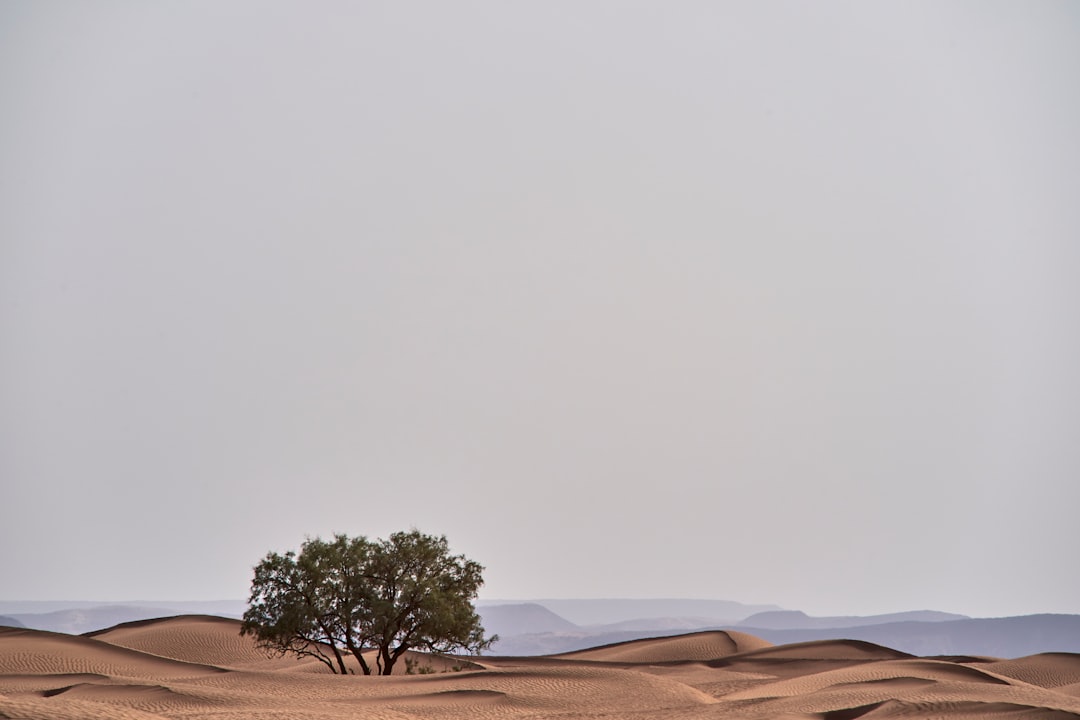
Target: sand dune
199	666
827	650
679	648
41	652
1048	670
914	673
211	640
202	639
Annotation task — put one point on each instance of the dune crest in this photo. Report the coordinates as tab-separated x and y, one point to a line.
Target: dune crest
40	652
202	639
707	645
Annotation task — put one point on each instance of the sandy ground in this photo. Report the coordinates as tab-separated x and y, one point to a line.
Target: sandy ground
200	667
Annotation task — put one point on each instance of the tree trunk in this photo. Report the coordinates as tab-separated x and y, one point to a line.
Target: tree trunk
358	653
333	646
340	660
386	660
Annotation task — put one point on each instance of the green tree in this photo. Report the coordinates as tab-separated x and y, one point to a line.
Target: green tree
349	596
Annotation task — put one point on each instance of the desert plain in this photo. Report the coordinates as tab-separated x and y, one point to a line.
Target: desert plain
201	667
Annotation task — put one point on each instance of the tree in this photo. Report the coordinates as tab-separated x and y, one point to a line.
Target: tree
350	596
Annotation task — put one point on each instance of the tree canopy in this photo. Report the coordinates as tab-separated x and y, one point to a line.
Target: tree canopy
350	596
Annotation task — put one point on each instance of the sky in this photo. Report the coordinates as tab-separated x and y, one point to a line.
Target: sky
774	302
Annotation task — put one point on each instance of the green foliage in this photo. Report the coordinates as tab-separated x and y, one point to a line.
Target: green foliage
352	595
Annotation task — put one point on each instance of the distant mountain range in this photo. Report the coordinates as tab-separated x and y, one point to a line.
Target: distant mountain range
75	618
523	619
798	620
606	612
1006	637
547	627
536	629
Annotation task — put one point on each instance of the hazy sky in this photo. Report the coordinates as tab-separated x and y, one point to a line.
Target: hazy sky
765	301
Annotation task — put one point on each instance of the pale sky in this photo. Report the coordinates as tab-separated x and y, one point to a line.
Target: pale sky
775	302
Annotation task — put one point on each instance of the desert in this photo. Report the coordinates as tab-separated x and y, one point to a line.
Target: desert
199	666
578	360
